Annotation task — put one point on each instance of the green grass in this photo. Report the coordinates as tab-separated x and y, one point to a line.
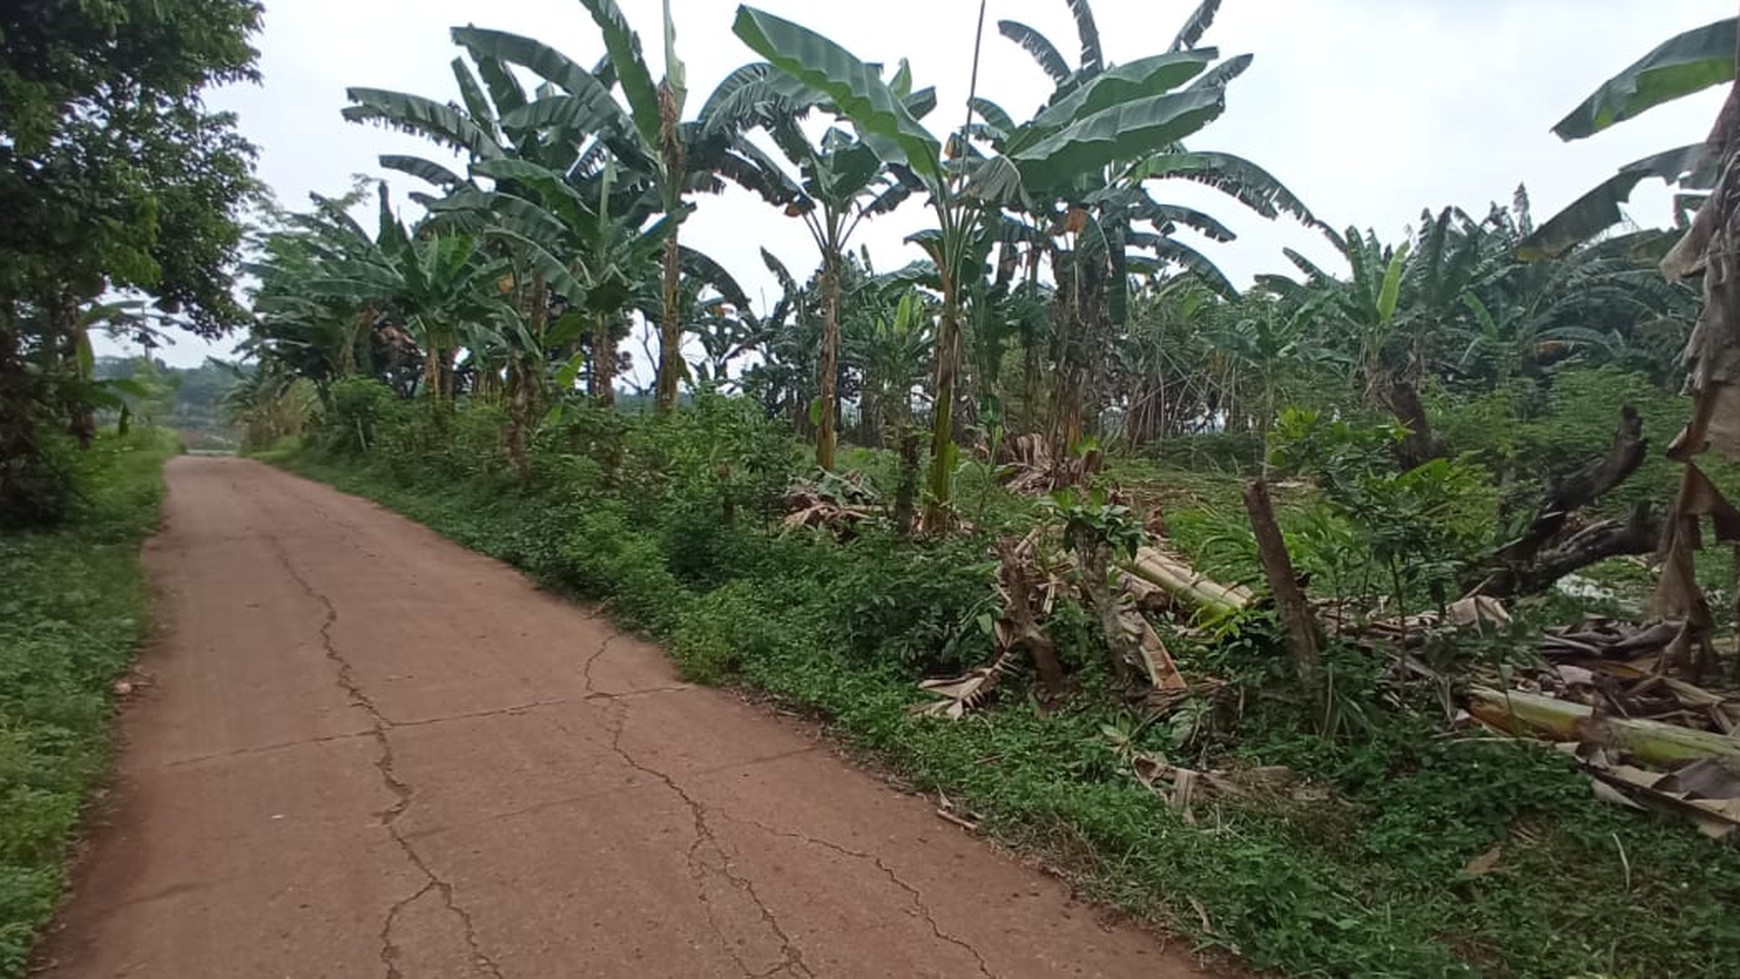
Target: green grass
73	610
1368	882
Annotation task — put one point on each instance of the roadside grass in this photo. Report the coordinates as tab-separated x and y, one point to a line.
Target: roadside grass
1369	876
73	609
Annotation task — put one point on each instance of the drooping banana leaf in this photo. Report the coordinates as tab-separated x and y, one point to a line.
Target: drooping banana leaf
555	273
1036	44
994	116
701	266
1685	63
1598	210
596	112
427	171
748	167
997	181
623	44
753	93
542	60
504	89
787	284
1122	132
904	186
556	195
419	116
1175	214
1234	176
855	88
1197	264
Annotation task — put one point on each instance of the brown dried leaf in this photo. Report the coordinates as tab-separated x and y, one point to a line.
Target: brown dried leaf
1484	864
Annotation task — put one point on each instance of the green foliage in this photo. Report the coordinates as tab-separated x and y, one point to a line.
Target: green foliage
1363	878
1405	534
113	179
73	611
1090	519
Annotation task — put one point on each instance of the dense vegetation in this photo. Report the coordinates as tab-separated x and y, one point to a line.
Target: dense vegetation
970	466
75	607
122	194
1469	408
674	523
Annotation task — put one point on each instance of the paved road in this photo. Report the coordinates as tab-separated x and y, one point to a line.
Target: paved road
369	752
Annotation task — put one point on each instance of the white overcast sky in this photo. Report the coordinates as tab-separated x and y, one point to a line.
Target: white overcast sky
1370	110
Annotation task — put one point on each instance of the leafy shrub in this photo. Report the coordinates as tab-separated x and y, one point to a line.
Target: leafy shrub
357	407
1399	535
925	608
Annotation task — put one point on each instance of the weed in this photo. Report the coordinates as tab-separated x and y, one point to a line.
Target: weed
74	610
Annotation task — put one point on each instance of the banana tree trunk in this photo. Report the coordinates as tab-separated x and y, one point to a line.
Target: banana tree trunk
830	368
1559	720
673	161
432	372
359	335
948	352
1185	584
603	362
670	332
519	417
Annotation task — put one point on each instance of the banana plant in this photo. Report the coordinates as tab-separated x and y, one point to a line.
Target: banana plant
1107	227
840	181
430	283
1118	118
648	138
1684	64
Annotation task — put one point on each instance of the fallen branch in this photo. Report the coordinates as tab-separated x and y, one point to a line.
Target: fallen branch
1522	713
1186	585
1547	552
1639	534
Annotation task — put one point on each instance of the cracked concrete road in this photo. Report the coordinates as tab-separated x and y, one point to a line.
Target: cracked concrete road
366	751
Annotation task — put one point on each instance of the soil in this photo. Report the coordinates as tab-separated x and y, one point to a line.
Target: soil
357	749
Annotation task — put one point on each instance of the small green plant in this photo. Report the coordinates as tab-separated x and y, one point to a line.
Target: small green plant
1401	536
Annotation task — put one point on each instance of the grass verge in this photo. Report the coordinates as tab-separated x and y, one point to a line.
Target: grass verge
73	610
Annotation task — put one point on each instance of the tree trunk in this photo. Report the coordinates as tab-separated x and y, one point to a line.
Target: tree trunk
830	368
1561	720
1422	444
1018	627
670	314
906	491
519	417
1296	619
603	374
670	332
1534	561
1599	541
1096	583
936	508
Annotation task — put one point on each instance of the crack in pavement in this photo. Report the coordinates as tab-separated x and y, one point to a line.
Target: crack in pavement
514	709
792	959
265	748
570	800
912	892
401	791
